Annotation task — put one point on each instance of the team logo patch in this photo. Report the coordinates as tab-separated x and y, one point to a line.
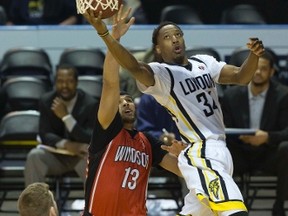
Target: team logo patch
201	67
214	187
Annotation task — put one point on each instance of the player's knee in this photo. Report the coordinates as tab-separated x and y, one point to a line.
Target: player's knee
34	155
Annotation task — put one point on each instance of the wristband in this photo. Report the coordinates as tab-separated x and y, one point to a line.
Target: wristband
104	34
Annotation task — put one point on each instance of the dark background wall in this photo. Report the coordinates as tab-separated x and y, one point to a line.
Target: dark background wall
275	11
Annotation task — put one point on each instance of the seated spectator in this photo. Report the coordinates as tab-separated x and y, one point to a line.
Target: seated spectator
43	12
3	16
37	199
5	4
262	105
65	127
3	109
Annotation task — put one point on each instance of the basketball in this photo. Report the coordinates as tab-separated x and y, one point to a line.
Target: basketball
108	7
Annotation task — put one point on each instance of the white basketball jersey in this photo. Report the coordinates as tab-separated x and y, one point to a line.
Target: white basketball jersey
191	97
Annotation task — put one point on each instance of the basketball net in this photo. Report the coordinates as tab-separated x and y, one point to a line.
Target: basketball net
83	5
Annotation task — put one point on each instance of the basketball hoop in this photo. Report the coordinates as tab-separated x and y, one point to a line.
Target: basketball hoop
97	5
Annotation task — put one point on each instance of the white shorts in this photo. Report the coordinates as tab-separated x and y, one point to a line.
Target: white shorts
207	168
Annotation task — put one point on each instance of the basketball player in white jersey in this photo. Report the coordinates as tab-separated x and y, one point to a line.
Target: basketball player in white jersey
187	88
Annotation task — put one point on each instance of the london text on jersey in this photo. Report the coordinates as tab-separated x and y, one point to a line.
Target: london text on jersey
193	84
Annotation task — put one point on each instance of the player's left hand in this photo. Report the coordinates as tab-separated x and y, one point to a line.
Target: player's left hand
167	138
175	148
120	26
96	21
260	138
256	46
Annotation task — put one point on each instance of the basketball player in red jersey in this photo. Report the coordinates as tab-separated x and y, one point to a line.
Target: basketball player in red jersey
120	158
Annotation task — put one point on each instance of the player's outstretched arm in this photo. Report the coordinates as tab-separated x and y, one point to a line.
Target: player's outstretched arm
140	71
111	83
120	26
231	74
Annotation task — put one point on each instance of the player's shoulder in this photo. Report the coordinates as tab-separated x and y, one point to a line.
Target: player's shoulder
201	58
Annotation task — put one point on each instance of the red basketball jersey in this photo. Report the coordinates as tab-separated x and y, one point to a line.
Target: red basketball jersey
120	183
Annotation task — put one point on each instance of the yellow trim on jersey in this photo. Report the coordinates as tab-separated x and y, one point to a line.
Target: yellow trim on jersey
190	156
212	180
224	206
179	114
212	183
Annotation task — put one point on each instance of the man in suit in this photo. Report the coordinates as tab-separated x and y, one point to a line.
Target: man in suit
66	123
262	105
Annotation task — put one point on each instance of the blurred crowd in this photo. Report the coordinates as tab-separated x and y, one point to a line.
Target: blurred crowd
63	12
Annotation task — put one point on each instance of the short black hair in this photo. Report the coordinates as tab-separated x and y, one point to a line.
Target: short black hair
155	37
124	93
68	67
161	25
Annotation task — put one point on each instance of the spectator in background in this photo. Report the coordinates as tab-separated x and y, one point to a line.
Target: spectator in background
65	127
5	4
136	11
153	118
37	199
3	109
3	15
43	12
262	105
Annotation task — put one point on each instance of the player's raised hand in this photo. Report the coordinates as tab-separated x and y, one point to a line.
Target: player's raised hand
175	148
256	46
120	25
96	21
